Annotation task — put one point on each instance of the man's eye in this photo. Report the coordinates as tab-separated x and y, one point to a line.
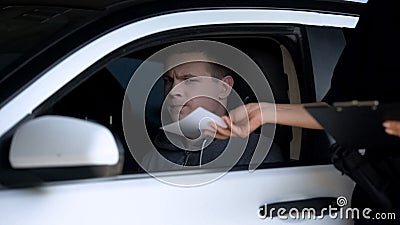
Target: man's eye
192	80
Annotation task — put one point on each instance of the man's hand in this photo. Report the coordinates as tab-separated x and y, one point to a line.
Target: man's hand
392	127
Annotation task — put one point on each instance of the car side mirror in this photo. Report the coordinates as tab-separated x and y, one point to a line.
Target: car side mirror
59	148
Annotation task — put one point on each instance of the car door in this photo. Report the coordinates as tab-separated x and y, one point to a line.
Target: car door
238	196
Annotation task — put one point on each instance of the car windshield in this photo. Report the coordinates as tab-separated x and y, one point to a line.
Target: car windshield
24	29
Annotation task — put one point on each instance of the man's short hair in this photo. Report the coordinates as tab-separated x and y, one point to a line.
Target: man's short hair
216	70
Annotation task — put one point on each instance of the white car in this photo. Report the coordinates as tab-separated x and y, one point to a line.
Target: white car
64	69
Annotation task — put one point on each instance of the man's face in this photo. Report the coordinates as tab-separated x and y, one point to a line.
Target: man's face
191	85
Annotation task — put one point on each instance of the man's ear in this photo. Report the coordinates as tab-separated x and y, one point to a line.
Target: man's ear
227	85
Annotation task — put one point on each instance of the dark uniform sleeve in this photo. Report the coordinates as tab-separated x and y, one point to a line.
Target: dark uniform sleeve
367	68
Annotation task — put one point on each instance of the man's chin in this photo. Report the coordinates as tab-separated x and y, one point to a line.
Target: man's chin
182	115
184	111
176	117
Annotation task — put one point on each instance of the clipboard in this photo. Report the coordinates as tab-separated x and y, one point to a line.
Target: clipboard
358	124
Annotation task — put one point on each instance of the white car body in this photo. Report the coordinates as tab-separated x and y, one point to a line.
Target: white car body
235	198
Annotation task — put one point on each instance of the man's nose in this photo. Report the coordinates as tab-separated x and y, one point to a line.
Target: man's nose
176	89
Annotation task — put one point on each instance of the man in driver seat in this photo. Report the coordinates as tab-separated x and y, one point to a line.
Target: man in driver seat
192	82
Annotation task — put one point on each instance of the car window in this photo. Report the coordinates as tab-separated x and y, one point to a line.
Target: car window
99	98
97	94
326	45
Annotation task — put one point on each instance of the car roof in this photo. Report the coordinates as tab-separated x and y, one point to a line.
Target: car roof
344	6
88	4
93	13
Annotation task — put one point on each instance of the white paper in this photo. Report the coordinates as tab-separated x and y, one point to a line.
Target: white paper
191	125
